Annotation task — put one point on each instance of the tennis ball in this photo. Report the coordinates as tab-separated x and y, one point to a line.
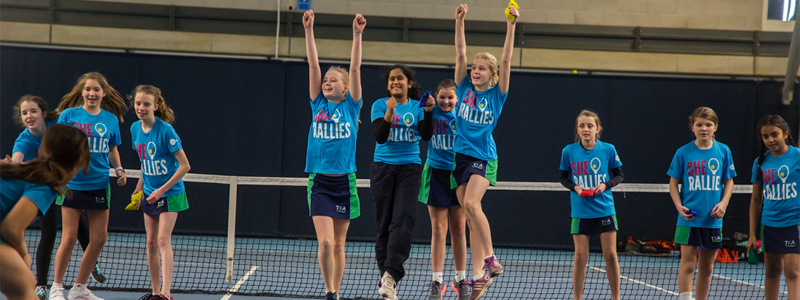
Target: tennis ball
574	71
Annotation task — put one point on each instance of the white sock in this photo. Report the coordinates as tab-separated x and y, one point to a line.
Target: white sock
57	285
476	277
461	275
485	258
686	296
438	277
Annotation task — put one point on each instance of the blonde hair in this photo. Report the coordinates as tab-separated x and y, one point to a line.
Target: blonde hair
112	102
163	112
492	61
593	115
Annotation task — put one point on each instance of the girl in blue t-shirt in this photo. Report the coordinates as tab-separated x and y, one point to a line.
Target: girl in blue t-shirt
31	112
330	157
399	123
589	169
27	191
704	168
481	95
440	197
163	166
775	203
96	108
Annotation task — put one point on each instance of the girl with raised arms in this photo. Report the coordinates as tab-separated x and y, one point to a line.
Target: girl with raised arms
31	112
395	171
775	203
331	154
705	169
440	197
481	95
28	190
585	167
96	108
164	164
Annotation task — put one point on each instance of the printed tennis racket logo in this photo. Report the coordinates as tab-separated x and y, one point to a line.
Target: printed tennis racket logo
482	104
595	165
442	139
713	165
778	190
581	175
101	129
151	150
475	111
408	119
401	133
452	126
336	115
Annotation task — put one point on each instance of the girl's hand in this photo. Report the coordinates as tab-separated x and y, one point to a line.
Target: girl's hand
390	105
578	189
514	12
359	23
684	212
599	189
751	242
429	103
308	19
6	160
461	12
155	196
718	211
121	178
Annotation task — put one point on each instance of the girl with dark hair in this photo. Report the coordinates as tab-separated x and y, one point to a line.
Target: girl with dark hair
27	190
395	171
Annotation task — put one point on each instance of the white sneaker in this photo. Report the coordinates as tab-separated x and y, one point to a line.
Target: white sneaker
81	293
57	293
388	285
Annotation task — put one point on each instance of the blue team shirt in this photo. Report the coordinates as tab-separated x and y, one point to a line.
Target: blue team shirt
28	144
702	174
476	118
103	131
402	147
440	147
155	151
780	175
332	136
11	190
590	168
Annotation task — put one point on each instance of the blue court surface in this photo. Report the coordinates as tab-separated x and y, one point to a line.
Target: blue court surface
289	268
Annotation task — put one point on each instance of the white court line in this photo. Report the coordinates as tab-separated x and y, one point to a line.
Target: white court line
743	282
239	283
636	281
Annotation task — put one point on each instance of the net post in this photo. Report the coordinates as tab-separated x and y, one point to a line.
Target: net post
231	227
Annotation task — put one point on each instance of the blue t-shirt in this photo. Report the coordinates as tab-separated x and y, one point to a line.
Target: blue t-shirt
332	136
155	151
440	147
590	168
780	175
476	118
28	144
402	147
11	190
702	174
103	131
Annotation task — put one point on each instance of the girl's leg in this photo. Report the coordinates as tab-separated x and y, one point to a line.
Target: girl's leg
458	237
475	243
686	272
151	227
19	286
791	272
773	267
479	224
579	265
98	229
166	223
340	227
438	237
704	270
325	238
608	240
69	234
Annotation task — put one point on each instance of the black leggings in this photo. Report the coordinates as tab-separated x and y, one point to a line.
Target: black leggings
49	224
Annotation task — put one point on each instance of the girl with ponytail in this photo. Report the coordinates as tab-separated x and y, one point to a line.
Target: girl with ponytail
775	203
26	191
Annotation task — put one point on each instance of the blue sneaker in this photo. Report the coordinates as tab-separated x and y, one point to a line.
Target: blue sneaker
42	292
97	274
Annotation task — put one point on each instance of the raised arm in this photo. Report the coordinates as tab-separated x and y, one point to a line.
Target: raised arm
314	72
461	45
508	50
355	57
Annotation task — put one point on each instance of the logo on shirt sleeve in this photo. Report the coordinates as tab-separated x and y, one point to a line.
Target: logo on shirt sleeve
101	129
732	168
173	142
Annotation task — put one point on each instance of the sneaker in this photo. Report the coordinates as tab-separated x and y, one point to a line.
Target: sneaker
388	285
462	289
494	266
42	293
97	274
480	286
162	297
437	290
148	296
330	296
76	293
57	294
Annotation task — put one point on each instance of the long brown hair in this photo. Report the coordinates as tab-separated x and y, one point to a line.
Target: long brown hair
112	102
49	115
163	112
63	149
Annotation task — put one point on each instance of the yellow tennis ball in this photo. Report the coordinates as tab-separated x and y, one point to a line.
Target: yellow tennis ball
574	71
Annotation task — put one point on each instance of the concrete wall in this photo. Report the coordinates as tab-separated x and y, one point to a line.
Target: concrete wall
702	14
